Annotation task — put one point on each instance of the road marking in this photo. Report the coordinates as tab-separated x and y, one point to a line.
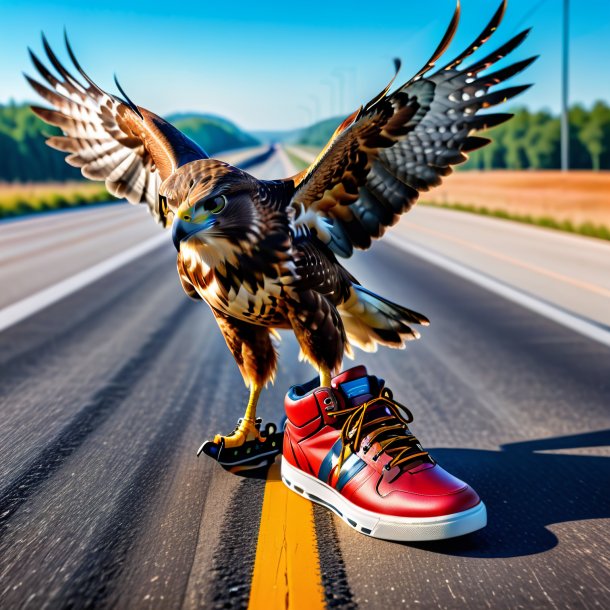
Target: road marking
514	261
287	567
40	247
588	329
290	168
15	313
305	155
12	314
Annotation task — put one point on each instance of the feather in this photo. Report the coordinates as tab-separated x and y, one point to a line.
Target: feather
442	47
481	39
403	143
109	139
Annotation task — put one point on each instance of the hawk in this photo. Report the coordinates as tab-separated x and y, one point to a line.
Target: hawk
264	255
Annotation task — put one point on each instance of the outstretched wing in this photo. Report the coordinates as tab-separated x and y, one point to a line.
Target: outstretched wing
111	139
399	145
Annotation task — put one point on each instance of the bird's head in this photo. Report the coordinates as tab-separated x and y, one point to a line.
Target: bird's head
213	204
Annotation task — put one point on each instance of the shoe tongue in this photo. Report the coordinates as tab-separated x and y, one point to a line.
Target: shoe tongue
355	385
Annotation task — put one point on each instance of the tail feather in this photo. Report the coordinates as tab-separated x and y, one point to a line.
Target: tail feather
370	320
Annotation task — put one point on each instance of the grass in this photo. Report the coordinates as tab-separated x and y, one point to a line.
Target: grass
576	202
296	160
588	229
23	199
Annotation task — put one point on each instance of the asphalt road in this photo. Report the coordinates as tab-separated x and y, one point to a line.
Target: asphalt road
571	271
107	394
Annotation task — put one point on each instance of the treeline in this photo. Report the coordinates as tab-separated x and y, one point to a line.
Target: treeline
530	140
319	133
24	156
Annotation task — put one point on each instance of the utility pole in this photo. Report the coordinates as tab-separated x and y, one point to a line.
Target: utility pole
565	121
341	79
307	111
316	104
331	86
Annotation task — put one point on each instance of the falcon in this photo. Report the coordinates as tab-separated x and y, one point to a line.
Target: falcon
264	255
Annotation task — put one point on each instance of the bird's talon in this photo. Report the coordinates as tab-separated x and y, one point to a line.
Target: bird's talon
246	430
247	450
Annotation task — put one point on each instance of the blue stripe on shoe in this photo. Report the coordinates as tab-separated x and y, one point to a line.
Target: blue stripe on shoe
327	463
356	387
351	467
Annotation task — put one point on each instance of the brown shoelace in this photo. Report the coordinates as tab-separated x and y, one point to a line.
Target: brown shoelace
387	429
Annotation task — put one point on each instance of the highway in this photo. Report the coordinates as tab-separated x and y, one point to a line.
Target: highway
108	390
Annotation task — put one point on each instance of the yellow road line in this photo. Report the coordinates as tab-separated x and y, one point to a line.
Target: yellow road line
509	259
287	567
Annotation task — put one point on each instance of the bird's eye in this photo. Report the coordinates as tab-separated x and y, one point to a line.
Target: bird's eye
215	204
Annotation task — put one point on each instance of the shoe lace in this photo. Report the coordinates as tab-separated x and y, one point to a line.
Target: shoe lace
390	430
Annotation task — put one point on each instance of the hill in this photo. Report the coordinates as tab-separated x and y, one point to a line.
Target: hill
26	157
288	136
213	133
319	133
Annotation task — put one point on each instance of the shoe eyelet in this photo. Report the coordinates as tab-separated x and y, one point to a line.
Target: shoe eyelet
387	467
366	448
329	401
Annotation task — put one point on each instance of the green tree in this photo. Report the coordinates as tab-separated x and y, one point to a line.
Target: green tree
595	133
592	136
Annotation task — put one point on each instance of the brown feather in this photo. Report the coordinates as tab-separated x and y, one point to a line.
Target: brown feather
401	144
91	119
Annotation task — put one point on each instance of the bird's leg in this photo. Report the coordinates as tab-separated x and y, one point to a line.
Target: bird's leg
322	344
325	376
247	429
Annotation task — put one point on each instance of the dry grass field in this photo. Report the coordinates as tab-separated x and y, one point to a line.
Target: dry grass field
19	199
575	201
579	197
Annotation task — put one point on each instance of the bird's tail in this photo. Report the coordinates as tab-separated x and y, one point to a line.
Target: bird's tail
371	320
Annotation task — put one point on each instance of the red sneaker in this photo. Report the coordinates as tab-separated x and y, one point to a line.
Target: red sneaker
349	448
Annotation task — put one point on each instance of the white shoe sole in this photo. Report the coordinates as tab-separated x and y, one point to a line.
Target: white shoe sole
405	529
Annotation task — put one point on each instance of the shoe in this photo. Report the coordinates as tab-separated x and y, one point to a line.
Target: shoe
250	459
349	448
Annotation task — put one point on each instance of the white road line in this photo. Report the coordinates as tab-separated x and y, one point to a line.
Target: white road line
12	314
17	312
287	164
547	310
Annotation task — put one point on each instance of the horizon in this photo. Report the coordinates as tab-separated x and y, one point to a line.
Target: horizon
247	81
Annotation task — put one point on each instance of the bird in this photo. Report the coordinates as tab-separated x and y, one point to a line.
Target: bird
266	254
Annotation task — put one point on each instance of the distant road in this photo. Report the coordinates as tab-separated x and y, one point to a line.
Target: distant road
570	271
39	251
107	393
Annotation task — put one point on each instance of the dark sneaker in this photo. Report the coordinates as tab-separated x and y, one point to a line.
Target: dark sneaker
349	448
252	457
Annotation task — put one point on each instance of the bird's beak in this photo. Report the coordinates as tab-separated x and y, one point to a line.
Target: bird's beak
181	230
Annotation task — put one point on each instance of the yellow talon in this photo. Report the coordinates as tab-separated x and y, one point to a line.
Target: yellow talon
247	430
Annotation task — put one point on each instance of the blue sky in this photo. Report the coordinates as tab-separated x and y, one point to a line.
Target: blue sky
267	67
